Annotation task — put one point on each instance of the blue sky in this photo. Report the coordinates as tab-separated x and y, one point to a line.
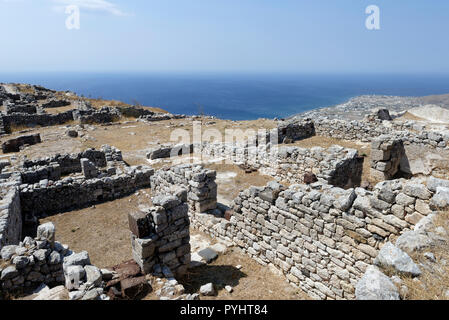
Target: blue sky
300	36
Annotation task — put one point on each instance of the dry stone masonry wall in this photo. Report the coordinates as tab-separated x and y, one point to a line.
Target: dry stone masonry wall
70	193
386	156
199	182
337	165
409	132
14	145
322	237
39	261
160	236
10	214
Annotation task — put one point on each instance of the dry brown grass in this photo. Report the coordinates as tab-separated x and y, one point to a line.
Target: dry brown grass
231	188
409	116
431	285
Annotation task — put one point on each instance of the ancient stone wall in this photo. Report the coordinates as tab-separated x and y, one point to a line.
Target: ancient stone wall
386	156
38	173
337	165
161	116
29	120
322	237
199	182
10	215
20	108
2	127
13	145
167	151
160	236
290	132
69	163
54	103
135	112
91	116
408	132
72	193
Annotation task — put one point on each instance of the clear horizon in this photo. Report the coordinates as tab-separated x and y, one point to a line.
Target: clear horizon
232	37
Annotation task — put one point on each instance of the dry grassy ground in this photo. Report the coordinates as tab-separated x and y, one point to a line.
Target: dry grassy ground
102	230
432	284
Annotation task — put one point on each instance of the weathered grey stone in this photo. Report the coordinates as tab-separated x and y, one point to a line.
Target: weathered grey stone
417	190
374	285
8	251
47	232
208	254
74	276
208	290
93	275
412	241
440	200
434	183
9	273
78	259
391	256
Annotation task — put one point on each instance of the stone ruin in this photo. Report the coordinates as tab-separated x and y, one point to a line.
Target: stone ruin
41	261
160	236
29	110
15	145
386	156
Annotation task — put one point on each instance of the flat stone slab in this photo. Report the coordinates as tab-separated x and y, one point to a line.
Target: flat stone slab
219	248
208	254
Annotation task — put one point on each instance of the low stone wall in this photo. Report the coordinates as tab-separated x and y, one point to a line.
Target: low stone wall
337	165
44	261
38	173
290	132
408	132
160	236
13	145
10	215
73	193
54	103
30	120
3	130
91	116
20	108
68	163
321	237
170	151
161	117
199	182
135	112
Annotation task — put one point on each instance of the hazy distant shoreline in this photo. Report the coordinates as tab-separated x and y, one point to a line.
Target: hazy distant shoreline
235	97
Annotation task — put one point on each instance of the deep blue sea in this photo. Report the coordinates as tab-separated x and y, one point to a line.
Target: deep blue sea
234	96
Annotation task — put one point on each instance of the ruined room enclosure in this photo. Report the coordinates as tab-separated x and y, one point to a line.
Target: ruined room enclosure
306	231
